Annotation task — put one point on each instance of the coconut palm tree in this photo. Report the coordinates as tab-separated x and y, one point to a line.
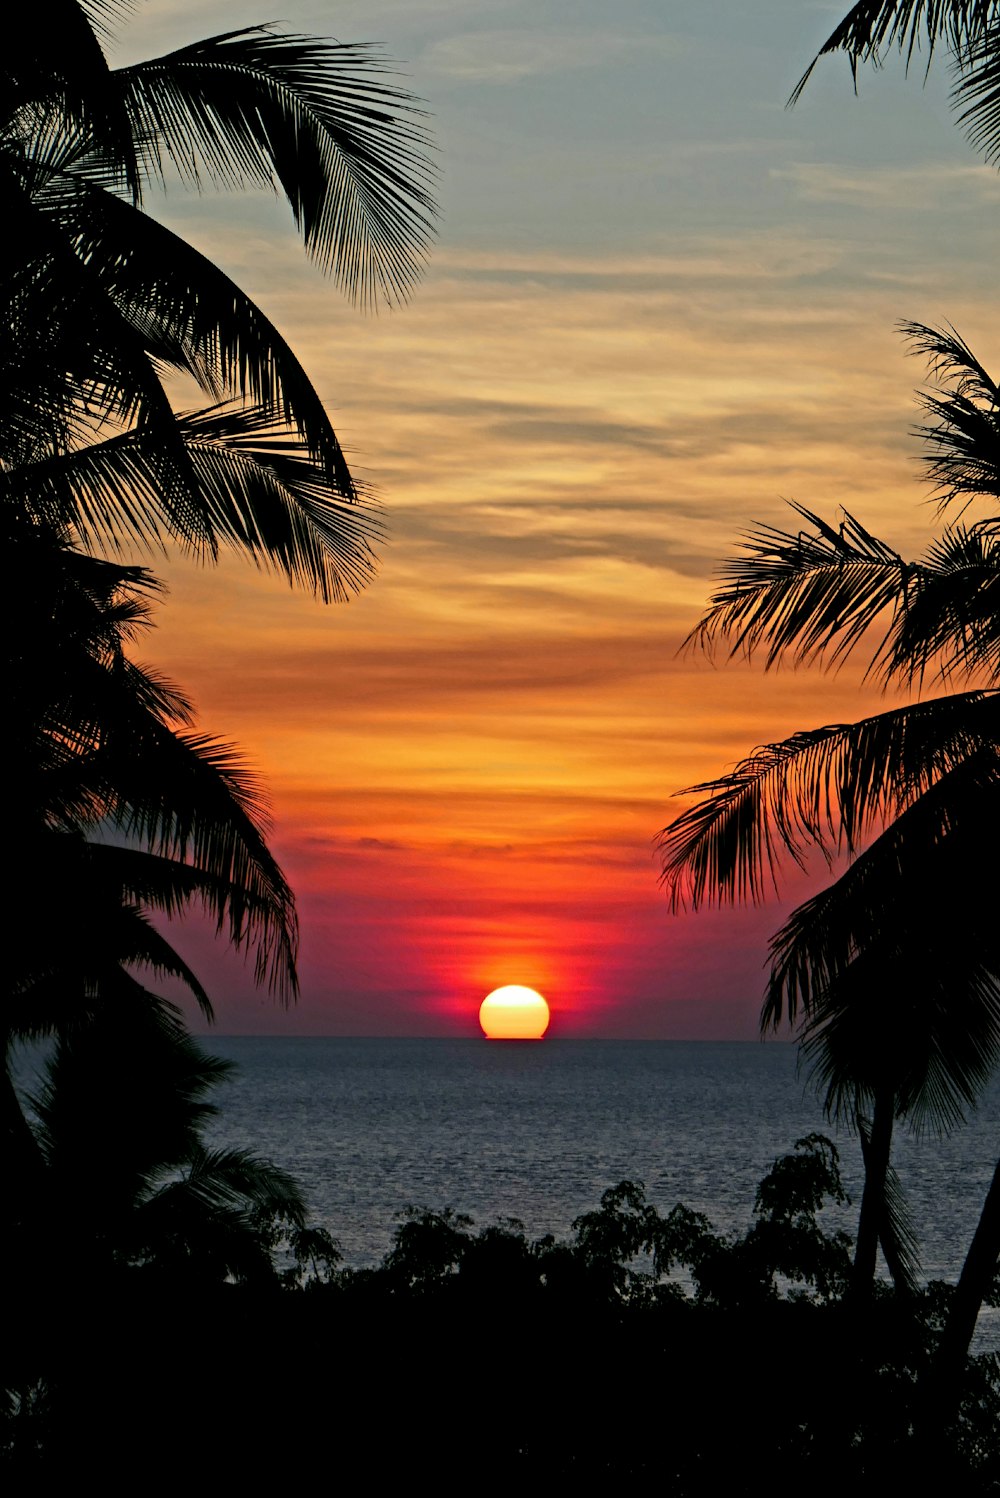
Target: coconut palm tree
99	299
150	1194
899	1015
119	812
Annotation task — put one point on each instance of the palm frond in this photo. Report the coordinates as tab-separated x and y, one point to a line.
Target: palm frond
239	1177
905	884
976	91
963	439
891	996
930	1027
821	789
810	594
952	614
71	359
253	487
817	597
133	1057
97	746
103	14
142	946
872	28
190	798
348	149
54	67
267	498
91	894
184	311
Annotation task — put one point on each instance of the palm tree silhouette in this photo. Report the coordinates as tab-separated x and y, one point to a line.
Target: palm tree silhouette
100	300
893	973
121	813
129	1181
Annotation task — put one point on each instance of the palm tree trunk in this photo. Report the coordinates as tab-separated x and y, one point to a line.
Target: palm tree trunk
974	1282
875	1149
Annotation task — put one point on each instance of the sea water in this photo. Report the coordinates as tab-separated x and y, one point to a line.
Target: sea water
537	1130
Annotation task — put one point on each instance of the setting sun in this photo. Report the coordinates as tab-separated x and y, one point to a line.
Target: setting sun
514	1013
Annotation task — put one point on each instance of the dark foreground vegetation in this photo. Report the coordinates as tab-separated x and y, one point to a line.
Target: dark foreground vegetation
177	1318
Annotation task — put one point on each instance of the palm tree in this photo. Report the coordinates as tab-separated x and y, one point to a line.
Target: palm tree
99	299
119	812
122	811
968	29
150	1195
893	973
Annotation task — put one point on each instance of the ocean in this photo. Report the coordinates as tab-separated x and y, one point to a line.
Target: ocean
537	1130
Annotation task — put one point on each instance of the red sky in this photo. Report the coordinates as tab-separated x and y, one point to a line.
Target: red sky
659	306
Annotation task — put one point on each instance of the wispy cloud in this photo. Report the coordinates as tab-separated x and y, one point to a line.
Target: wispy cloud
510	55
928	186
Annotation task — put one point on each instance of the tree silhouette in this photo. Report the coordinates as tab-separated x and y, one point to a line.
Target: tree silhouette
129	1181
100	300
893	973
123	811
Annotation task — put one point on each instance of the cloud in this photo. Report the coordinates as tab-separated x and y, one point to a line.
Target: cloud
759	256
923	187
508	56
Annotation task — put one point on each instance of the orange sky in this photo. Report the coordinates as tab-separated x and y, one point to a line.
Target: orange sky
659	305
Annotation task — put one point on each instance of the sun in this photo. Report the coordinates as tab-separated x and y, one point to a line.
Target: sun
514	1013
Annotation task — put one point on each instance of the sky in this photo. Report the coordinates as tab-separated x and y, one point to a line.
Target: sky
659	306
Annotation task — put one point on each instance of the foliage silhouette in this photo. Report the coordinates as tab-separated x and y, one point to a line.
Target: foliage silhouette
968	29
128	1179
893	972
617	1351
124	812
100	300
818	595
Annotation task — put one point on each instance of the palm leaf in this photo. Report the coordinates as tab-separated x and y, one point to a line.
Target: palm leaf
71	358
950	824
54	68
952	613
810	594
266	497
818	596
97	747
91	893
872	28
186	312
188	797
821	789
252	484
315	117
898	1235
963	439
976	92
218	1215
133	1057
931	1028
